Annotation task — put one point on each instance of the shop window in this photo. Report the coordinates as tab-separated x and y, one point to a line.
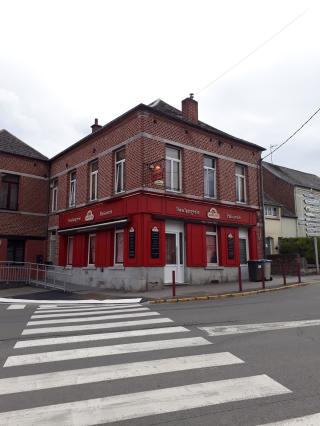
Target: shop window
173	169
94	181
92	249
54	195
15	250
70	251
212	245
209	166
9	188
171	249
240	184
72	189
52	246
118	247
120	171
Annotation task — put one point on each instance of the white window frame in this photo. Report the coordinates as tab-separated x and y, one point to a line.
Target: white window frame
117	231
239	179
92	175
213	233
206	171
173	160
70	238
89	244
119	167
54	200
243	235
72	189
271	211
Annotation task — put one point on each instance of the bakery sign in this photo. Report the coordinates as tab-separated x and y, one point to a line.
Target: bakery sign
213	213
89	216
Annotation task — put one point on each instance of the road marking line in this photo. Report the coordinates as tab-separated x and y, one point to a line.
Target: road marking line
70	302
94	326
83	309
90	319
114	372
140	404
99	336
92	352
255	328
79	314
16	306
311	420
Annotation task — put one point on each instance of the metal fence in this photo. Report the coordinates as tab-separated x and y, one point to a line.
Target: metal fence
49	276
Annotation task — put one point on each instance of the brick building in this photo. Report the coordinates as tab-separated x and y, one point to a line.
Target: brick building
24	191
155	191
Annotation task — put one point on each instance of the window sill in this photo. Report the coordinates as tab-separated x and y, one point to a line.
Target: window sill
89	268
174	191
242	203
68	267
214	267
117	267
207	197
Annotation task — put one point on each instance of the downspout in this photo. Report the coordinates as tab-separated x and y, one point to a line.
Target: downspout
261	204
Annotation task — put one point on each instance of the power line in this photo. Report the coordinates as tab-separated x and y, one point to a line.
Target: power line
293	134
251	53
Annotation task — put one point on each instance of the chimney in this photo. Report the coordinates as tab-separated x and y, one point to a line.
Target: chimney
96	126
190	109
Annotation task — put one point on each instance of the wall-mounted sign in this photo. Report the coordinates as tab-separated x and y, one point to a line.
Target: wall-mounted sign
132	243
230	246
191	212
155	243
213	213
311	219
89	216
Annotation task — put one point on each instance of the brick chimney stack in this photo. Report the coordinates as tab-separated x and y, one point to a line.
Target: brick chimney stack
96	126
190	109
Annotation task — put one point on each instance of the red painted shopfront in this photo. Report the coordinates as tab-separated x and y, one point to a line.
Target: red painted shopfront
142	222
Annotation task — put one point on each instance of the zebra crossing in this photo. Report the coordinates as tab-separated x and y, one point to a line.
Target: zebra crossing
47	355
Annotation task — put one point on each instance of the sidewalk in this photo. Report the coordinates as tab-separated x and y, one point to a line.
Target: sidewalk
184	291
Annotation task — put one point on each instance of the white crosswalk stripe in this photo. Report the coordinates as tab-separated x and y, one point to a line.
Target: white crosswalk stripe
129	406
16	306
91	318
99	336
159	342
104	325
311	420
68	354
114	372
88	309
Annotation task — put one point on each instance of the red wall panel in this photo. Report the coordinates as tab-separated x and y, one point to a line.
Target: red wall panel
63	242
80	250
196	244
104	248
253	244
224	235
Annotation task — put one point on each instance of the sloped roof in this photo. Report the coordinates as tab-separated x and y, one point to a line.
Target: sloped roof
294	177
12	145
267	200
161	106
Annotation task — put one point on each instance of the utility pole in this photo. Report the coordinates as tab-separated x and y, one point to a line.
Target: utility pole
315	242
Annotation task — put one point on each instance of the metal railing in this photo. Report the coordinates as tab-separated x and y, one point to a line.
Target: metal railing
49	276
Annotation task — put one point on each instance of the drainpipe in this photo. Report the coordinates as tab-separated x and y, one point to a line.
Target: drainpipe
261	203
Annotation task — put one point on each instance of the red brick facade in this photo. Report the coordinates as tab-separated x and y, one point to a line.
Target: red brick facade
28	223
144	133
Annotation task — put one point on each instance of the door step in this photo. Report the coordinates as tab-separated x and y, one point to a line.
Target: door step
177	284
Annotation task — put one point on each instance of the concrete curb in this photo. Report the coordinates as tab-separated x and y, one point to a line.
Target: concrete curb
226	295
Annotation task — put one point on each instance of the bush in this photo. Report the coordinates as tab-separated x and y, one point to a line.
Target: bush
302	246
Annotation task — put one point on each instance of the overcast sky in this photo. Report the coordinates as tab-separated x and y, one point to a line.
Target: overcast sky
63	63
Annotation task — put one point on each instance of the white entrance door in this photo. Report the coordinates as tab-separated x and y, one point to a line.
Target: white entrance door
174	252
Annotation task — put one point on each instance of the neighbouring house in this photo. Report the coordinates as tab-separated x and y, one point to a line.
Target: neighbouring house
153	192
292	204
279	223
24	194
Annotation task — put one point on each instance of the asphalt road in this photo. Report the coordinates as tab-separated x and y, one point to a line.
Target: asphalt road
242	361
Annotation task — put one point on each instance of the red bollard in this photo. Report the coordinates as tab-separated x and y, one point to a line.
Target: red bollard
263	277
173	283
284	275
240	278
